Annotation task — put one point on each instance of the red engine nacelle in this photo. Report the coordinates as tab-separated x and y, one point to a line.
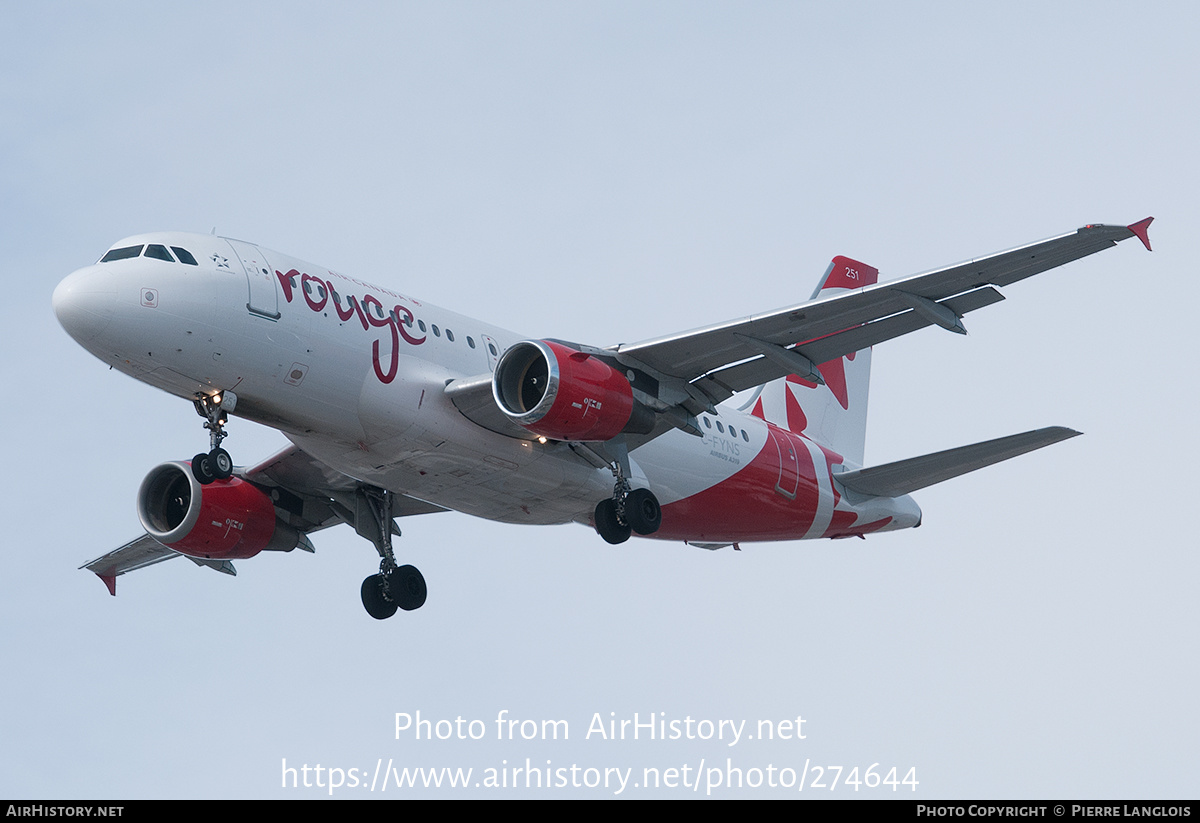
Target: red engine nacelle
556	391
225	520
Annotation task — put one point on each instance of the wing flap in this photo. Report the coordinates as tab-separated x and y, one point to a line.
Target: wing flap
222	566
907	476
740	376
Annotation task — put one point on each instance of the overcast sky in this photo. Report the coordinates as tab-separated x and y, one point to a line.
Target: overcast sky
609	172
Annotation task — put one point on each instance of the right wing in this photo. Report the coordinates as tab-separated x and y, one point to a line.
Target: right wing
136	554
311	496
307	495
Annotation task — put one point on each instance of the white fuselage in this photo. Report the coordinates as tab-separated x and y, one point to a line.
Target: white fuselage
355	375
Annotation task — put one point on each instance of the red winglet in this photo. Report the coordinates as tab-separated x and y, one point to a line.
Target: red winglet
110	580
1142	230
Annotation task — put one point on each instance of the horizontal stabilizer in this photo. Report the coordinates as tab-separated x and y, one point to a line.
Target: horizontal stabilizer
907	476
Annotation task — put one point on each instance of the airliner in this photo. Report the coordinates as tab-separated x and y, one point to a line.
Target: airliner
746	430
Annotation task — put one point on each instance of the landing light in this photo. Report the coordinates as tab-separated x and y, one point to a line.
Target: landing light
542	440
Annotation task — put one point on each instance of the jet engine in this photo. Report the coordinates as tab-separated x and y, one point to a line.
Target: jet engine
225	520
564	394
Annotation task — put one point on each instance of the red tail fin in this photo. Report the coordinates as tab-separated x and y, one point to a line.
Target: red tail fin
834	413
844	273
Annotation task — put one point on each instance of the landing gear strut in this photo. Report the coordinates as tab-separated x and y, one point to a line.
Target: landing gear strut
628	510
216	464
394	587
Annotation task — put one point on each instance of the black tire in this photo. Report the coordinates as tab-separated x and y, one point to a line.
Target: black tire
607	524
406	585
220	463
202	469
373	599
642	511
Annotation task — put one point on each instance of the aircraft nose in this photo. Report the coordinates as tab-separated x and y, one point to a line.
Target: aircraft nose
84	301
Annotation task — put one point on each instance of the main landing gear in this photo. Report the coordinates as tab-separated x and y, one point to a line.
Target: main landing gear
395	587
628	510
216	464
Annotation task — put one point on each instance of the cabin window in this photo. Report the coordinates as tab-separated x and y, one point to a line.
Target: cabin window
470	341
450	335
316	286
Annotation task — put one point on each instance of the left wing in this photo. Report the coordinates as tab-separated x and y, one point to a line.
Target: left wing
721	360
682	375
306	493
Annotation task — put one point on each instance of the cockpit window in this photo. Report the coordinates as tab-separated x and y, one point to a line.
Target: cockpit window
121	254
159	253
156	251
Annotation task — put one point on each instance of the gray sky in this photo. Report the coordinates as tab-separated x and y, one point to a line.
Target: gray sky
606	173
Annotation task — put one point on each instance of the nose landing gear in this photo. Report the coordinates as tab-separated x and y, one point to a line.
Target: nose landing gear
216	464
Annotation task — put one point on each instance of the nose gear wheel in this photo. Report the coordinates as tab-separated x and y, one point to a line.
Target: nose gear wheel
217	463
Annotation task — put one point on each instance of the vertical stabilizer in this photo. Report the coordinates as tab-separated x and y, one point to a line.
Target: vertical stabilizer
834	414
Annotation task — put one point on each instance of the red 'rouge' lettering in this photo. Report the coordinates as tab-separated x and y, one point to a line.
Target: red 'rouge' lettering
390	375
305	279
285	280
348	313
405	323
378	318
310	285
